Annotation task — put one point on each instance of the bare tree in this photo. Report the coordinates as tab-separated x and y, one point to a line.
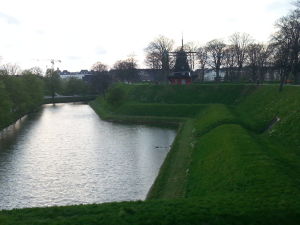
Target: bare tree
202	60
216	52
157	56
126	70
240	43
191	47
229	62
151	60
254	51
288	36
99	67
10	69
34	71
281	57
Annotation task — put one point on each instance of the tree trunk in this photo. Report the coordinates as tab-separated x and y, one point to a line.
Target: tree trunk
282	80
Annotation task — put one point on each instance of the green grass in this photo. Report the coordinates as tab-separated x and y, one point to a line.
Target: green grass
172	179
167	212
155	109
213	116
190	94
229	164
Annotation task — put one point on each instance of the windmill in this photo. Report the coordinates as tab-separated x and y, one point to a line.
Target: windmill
181	73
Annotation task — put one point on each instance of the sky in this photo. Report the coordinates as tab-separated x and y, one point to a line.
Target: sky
81	32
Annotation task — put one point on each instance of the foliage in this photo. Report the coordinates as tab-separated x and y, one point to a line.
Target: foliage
125	70
5	106
156	53
100	67
101	81
116	95
74	86
286	43
19	95
53	82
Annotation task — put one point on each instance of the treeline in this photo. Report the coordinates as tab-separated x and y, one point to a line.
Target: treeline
242	58
54	85
19	95
239	58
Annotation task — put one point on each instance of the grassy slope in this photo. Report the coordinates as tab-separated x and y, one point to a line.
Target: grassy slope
230	164
191	94
266	103
236	175
172	179
166	212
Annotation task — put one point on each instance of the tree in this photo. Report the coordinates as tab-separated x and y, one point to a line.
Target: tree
216	51
115	96
126	70
240	43
157	56
192	59
5	106
36	71
53	82
202	60
229	62
10	69
74	86
101	81
281	59
287	41
253	52
33	71
100	67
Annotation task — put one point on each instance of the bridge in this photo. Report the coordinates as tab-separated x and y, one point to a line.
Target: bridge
73	98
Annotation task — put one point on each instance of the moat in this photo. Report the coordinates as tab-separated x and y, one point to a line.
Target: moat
65	154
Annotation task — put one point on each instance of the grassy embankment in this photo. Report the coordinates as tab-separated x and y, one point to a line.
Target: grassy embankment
231	163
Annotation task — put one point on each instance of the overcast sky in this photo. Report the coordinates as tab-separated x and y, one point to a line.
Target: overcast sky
81	32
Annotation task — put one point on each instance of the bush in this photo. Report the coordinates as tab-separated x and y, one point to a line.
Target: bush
116	96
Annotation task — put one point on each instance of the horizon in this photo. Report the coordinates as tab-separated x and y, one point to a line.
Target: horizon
89	31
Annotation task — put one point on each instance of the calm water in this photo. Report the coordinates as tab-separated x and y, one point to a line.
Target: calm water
65	154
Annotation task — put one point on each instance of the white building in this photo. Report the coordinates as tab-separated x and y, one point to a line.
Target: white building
65	74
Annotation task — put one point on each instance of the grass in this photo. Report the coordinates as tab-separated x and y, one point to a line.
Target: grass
229	164
172	179
162	212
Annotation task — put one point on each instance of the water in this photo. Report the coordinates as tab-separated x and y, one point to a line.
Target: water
65	154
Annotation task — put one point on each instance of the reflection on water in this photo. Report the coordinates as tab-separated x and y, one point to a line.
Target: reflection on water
65	154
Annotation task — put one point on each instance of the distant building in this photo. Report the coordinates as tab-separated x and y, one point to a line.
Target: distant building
148	75
65	74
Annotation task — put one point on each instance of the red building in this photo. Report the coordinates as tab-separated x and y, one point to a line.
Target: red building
179	78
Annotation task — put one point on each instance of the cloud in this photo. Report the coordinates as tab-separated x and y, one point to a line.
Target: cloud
100	51
40	32
9	19
278	6
73	57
